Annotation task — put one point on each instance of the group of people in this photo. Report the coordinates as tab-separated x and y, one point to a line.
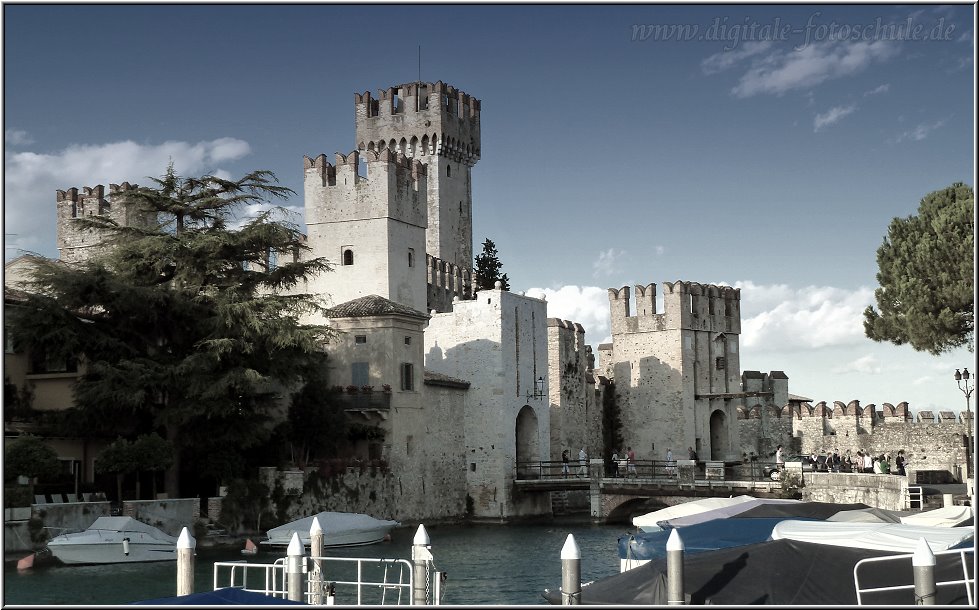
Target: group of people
582	463
863	461
623	463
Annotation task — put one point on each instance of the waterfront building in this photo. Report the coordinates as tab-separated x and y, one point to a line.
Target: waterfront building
465	386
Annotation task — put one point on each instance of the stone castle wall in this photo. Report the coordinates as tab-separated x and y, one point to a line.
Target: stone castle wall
929	442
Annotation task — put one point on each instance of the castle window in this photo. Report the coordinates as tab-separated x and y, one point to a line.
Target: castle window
359	373
720	363
348	257
460	207
407	376
411	257
448	170
407	340
360	339
396	105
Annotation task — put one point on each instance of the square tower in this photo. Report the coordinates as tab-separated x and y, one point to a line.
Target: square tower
439	125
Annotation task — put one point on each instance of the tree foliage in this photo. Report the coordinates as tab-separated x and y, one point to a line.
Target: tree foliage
926	269
30	457
188	325
316	426
487	269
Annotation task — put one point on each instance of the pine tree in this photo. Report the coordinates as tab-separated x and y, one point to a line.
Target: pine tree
487	269
925	273
187	327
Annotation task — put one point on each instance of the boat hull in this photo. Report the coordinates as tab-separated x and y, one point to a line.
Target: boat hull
114	540
112	552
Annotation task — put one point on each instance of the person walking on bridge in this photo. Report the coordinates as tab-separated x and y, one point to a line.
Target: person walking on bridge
583	463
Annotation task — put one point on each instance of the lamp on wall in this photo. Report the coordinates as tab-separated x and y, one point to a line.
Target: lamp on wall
539	391
959	378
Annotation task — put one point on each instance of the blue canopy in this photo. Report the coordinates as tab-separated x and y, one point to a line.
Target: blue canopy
707	536
229	596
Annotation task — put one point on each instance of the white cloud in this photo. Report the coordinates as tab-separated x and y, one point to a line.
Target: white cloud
727	59
773	318
587	305
16	137
879	89
864	365
782	318
832	115
784	71
920	132
31	179
605	265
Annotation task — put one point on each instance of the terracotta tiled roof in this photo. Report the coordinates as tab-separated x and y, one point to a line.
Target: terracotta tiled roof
433	378
373	305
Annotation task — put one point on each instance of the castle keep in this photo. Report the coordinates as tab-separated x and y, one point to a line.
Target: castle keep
477	386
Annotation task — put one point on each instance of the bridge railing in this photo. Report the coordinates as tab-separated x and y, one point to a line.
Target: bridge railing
642	469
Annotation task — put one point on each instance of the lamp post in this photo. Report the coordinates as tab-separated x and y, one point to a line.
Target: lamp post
967	390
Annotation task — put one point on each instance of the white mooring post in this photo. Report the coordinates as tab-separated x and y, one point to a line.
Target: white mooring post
295	556
421	555
186	545
674	570
316	551
923	562
570	572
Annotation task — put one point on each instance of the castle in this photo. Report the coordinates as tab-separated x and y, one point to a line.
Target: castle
480	385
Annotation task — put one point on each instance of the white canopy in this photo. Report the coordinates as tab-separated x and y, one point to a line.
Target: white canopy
698	511
893	537
949	516
128	524
331	522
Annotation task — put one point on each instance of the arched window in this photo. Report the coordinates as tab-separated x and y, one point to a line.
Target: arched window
348	257
448	170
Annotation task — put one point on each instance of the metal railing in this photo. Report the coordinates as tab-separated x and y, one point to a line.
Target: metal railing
343	580
967	580
915	499
640	469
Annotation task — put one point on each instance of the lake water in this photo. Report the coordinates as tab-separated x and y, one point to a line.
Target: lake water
485	564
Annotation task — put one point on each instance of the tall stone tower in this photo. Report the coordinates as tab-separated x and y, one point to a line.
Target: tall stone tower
439	125
371	226
679	371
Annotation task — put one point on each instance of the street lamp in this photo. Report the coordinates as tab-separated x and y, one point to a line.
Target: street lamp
959	378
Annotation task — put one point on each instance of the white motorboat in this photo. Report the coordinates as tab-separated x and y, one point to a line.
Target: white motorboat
114	540
339	529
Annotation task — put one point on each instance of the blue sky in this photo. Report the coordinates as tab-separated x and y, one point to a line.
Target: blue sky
770	159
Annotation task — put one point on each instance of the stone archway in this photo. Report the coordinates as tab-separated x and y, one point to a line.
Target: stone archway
718	435
527	442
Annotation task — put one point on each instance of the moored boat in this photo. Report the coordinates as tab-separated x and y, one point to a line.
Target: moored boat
339	529
114	540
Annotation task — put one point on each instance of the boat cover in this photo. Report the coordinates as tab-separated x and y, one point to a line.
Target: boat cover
128	524
649	522
949	516
892	537
725	511
697	538
229	596
782	572
869	515
330	521
808	510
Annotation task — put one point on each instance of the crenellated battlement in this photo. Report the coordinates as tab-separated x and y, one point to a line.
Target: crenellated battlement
446	281
76	243
686	305
420	119
394	186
